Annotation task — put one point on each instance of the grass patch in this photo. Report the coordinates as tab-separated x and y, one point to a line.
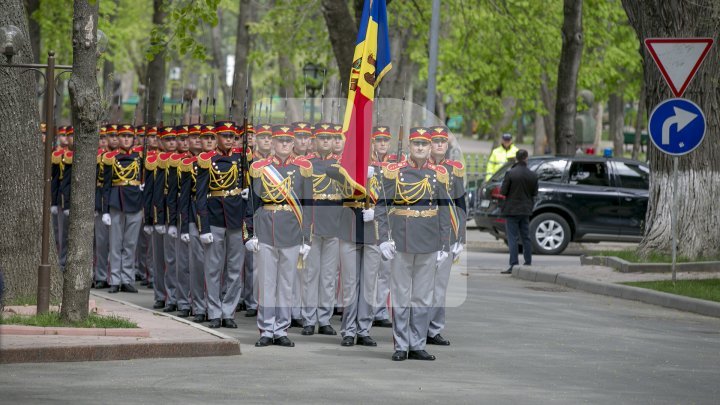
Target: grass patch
27	300
703	289
53	319
654	257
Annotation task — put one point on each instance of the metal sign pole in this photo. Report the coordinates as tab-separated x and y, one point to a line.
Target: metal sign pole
673	215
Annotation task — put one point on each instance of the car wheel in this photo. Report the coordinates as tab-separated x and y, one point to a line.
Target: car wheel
550	234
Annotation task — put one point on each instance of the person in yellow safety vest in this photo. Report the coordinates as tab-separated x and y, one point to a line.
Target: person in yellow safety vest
500	155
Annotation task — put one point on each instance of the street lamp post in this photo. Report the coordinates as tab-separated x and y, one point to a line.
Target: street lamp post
10	41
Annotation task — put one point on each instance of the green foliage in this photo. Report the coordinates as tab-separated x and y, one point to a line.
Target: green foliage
53	319
632	256
702	289
182	25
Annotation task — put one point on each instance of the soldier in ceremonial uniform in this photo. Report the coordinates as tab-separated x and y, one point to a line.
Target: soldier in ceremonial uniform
281	205
320	276
153	198
414	232
263	142
174	171
100	273
303	138
457	212
338	140
60	190
122	208
144	255
248	301
165	189
222	210
201	138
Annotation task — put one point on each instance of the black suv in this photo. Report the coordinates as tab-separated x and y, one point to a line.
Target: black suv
580	198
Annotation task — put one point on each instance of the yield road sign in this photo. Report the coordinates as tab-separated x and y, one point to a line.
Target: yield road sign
678	59
677	126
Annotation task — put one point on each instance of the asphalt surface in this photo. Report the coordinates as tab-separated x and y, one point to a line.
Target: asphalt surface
512	342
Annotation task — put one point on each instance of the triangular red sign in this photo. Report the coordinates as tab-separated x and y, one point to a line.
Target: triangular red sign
678	59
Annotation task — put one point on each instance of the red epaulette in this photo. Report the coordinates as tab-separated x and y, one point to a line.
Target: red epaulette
165	155
257	166
138	149
204	159
189	160
236	150
306	168
458	168
68	157
57	156
109	157
394	158
100	151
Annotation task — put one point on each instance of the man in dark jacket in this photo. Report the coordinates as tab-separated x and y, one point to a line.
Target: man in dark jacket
520	187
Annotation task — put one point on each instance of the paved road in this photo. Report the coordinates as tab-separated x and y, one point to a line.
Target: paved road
512	342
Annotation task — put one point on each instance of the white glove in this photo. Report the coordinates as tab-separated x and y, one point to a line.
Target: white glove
148	229
442	255
368	215
172	231
252	244
142	187
456	249
95	214
388	250
304	251
245	193
185	237
66	213
106	219
160	229
206	238
371	171
53	210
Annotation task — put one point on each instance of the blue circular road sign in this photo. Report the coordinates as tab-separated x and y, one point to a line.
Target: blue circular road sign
677	126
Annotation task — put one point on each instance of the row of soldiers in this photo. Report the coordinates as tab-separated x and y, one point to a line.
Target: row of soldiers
277	228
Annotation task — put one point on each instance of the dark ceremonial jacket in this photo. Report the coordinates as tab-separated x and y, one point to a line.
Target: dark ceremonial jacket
121	187
457	206
218	185
327	200
188	187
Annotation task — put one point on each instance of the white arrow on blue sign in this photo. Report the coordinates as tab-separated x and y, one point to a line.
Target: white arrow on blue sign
677	126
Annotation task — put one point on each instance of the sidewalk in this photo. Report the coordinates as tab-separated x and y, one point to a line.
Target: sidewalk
168	336
606	281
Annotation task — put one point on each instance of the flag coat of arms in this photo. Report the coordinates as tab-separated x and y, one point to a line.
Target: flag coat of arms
371	62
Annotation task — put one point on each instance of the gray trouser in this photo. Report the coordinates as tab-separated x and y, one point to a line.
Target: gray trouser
411	292
274	268
248	296
296	312
182	290
170	250
319	281
60	227
437	312
360	264
197	272
227	250
159	266
383	290
124	230
102	244
144	258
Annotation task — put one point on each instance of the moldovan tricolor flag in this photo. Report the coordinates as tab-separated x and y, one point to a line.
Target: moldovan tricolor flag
371	62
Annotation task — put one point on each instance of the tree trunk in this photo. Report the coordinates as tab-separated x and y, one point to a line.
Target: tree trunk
599	109
548	121
640	119
156	71
34	28
539	141
21	174
287	72
85	99
570	58
242	53
219	58
698	231
617	122
342	33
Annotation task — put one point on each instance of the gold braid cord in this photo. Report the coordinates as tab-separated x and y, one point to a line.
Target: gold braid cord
317	183
411	193
223	180
275	194
126	173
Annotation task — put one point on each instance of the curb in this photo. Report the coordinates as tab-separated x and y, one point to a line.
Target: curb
625	266
698	306
64	331
224	345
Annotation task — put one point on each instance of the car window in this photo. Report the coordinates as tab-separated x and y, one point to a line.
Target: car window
551	171
500	174
589	174
633	175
